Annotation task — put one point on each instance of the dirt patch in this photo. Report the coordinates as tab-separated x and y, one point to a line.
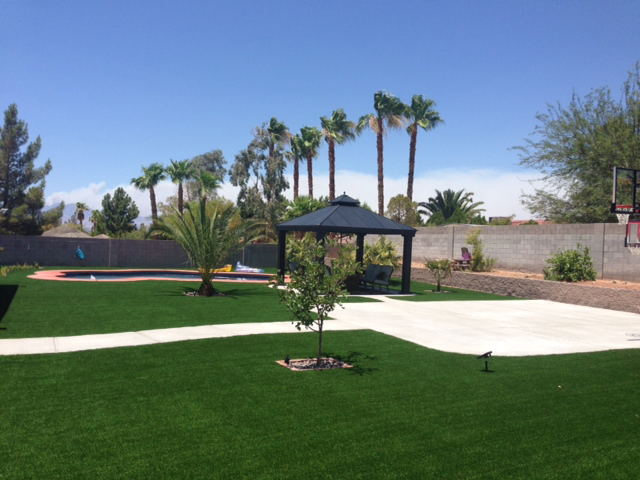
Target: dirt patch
307	364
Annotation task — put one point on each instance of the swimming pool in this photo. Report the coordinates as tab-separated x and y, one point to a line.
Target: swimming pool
139	275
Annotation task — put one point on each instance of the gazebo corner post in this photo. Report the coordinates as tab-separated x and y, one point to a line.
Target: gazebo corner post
406	264
360	249
282	248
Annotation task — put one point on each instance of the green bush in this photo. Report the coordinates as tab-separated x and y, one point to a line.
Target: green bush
441	269
4	271
571	266
383	252
478	261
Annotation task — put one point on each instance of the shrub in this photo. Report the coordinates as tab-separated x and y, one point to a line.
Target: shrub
441	269
478	261
571	266
383	252
4	271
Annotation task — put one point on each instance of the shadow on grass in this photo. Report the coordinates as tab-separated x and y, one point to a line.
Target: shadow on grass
234	293
7	292
355	359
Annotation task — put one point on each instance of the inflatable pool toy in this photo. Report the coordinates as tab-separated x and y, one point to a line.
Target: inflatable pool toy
244	268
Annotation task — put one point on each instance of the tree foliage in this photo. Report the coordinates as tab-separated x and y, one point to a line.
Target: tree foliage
573	265
337	130
311	139
576	147
117	214
21	183
402	209
451	207
151	176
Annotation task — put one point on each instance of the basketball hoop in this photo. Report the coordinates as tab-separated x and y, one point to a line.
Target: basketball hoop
634	249
623	218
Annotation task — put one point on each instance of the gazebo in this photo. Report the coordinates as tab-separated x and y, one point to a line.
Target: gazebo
344	215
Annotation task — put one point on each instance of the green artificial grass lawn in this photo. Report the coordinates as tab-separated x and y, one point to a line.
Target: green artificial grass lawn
425	292
222	408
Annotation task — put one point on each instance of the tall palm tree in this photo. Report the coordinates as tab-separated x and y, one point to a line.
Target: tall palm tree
279	134
389	115
311	138
207	182
180	172
208	235
420	114
336	129
447	203
296	155
80	209
151	176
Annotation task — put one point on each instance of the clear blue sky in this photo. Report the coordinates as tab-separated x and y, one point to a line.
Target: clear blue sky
114	85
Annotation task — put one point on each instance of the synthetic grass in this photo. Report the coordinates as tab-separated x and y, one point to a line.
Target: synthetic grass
425	292
222	408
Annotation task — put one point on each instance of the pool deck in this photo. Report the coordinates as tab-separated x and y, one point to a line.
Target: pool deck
506	327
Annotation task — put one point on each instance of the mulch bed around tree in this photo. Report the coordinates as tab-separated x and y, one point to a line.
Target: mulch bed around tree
307	364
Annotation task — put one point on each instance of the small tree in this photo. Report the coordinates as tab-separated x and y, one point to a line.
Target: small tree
478	261
441	269
312	289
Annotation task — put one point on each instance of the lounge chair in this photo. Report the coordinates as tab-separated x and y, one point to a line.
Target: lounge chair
377	275
370	275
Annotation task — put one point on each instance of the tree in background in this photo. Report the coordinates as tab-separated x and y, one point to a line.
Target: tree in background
575	149
450	207
212	162
295	156
151	176
80	209
311	138
302	206
261	180
209	233
117	215
390	114
403	210
180	172
336	130
420	115
21	184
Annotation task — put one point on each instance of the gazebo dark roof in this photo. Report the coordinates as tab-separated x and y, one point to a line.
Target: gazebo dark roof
344	215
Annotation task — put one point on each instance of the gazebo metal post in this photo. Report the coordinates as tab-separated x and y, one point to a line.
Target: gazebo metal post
282	248
360	249
406	264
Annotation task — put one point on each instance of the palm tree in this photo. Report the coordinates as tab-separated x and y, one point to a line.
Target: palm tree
207	182
448	203
80	209
209	236
420	114
311	138
180	172
336	129
152	175
389	115
295	155
278	135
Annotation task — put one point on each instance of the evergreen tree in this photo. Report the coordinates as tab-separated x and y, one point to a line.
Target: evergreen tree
117	215
21	183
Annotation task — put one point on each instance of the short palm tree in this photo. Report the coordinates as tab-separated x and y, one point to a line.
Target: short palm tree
180	172
420	114
296	155
447	203
311	138
151	176
390	114
209	234
336	130
80	209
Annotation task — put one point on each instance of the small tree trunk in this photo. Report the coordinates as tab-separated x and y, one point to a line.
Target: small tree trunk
320	325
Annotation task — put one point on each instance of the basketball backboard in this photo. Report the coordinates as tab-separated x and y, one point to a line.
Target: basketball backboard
626	190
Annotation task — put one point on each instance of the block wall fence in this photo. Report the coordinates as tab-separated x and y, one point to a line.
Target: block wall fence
526	248
99	252
522	248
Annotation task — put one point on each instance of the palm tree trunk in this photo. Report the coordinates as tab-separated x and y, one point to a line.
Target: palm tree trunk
154	208
296	177
180	198
380	169
412	160
332	169
310	170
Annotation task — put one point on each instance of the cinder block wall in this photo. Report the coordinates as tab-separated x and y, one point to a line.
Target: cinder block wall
526	248
98	252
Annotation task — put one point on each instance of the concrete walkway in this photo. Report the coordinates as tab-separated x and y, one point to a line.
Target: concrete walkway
508	328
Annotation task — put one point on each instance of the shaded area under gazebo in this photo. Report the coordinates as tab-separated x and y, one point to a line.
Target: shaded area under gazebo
345	216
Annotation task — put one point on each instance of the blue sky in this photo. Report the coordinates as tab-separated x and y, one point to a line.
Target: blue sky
113	85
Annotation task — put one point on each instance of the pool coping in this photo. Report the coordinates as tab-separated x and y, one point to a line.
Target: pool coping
59	275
